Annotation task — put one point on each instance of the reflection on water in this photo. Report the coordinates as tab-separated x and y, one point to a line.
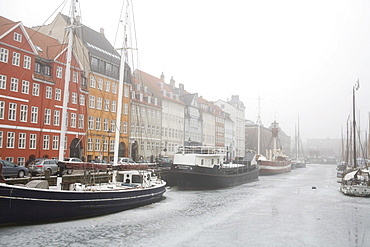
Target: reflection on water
281	210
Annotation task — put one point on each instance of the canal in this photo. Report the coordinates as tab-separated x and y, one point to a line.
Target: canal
300	208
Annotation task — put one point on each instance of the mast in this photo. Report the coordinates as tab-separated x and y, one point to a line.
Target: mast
259	127
355	87
120	88
67	79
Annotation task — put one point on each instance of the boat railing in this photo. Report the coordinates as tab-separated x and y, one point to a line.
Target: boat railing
201	150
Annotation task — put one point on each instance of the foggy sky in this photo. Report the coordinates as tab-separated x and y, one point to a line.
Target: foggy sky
301	57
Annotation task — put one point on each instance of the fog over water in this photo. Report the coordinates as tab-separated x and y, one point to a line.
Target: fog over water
301	57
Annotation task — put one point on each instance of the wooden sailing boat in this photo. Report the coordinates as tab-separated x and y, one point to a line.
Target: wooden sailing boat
356	181
39	202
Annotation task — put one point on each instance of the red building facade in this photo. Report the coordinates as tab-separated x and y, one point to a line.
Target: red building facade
32	78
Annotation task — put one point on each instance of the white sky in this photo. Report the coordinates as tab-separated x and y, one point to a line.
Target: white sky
302	57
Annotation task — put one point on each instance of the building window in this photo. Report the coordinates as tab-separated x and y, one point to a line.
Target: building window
37	68
23	113
46	70
27	62
4	53
12	114
16	58
125	109
97	145
56	118
47	116
107	86
36	89
100	84
105	124
55	143
106	105
89	144
58	94
14	85
32	141
1	139
98	123
21	161
92	101
112	125
74	98
22	141
80	121
82	99
34	114
125	127
59	72
114	88
114	106
73	120
75	77
25	87
2	109
126	91
46	142
92	81
91	123
2	82
98	103
17	37
49	92
10	140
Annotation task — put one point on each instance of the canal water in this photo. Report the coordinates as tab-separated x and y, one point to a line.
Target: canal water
300	208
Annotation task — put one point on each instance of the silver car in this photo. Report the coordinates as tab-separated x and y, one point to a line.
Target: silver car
39	166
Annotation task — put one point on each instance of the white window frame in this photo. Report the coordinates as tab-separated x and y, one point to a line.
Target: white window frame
16	58
27	62
12	113
23	113
33	139
25	87
49	92
14	84
3	81
36	89
22	141
4	55
59	72
34	114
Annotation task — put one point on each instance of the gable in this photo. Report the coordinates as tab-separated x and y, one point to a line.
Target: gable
17	36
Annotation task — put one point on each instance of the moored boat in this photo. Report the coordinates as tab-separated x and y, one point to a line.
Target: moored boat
356	183
277	162
202	167
38	202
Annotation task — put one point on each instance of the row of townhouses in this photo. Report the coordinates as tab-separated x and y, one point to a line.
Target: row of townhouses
156	117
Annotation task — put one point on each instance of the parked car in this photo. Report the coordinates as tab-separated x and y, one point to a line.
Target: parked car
126	161
39	166
12	170
164	162
73	159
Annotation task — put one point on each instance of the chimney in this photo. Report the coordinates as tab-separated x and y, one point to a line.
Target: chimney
172	82
102	31
181	87
162	77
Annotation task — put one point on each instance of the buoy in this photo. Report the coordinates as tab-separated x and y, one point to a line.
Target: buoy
314	187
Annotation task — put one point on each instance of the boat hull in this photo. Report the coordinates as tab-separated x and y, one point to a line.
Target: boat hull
355	190
22	205
196	177
272	168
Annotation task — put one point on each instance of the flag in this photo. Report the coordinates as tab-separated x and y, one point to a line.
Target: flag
357	85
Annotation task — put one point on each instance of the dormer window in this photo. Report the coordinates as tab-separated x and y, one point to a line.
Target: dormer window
37	67
18	37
